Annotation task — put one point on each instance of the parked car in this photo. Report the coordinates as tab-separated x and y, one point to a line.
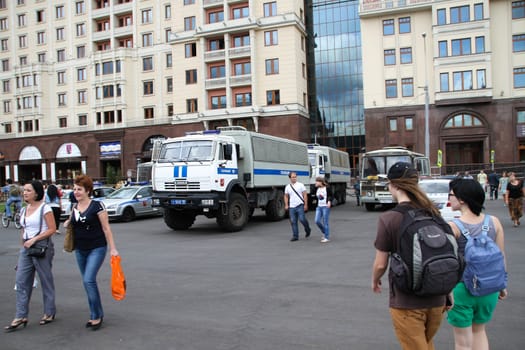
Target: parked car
129	202
437	190
65	205
100	193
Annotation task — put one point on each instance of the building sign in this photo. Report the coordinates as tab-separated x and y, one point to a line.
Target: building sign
30	153
110	150
68	150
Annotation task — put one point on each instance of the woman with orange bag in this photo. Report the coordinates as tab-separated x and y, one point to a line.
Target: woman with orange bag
92	237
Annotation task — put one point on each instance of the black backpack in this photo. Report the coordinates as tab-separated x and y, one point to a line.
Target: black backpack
427	261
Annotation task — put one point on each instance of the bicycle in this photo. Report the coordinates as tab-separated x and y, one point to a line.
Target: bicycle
15	218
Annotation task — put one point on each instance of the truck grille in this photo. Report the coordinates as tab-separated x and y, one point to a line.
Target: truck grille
182	185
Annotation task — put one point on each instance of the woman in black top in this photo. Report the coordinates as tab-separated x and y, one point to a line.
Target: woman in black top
92	237
514	198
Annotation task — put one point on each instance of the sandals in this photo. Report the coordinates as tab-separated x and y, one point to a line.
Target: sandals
15	324
47	319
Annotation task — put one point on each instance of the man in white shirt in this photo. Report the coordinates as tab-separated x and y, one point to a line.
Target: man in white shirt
296	202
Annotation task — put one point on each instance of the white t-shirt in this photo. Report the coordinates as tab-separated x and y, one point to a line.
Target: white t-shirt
295	199
321	197
31	223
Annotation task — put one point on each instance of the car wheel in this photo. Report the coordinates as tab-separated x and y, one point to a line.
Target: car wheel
128	215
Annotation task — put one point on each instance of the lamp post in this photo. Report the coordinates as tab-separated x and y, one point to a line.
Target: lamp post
427	129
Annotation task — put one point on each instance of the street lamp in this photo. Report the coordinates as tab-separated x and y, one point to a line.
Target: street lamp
427	129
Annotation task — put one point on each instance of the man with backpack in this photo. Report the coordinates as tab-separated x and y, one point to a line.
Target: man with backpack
14	196
415	237
481	240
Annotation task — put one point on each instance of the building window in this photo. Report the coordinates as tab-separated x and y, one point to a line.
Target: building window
519	77
390	57
3	24
149	113
391	88
463	121
147	39
82	119
272	66
81	29
107	67
388	27
518	9
191	76
3	44
404	25
242	68
60	34
81	74
189	23
41	57
478	12
270	9
409	123
216	44
125	20
443	48
5	65
407	87
170	110
273	97
40	16
392	124
443	82
147	16
60	13
218	102
189	2
62	99
22	41
405	55
62	122
243	40
7	106
481	79
441	17
270	38
80	7
518	42
82	97
190	50
41	38
167	12
169	60
169	84
460	14
148	87
244	99
216	16
462	80
23	60
22	20
81	51
191	105
61	77
461	47
241	12
8	128
147	64
480	44
6	85
217	72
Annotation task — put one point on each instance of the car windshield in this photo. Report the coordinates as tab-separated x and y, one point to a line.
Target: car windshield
123	193
434	187
198	150
381	164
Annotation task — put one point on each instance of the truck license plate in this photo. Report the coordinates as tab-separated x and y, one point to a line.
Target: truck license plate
178	201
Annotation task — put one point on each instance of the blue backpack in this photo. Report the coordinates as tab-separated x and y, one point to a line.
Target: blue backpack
485	266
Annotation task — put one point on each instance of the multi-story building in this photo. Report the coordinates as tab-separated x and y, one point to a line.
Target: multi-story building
89	84
468	55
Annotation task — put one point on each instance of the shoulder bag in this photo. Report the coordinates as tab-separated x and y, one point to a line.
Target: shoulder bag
38	250
69	239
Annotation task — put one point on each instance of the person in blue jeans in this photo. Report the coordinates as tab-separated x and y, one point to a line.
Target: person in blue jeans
92	237
324	203
296	202
15	196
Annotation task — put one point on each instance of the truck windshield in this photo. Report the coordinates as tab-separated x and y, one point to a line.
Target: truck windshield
186	151
373	166
312	157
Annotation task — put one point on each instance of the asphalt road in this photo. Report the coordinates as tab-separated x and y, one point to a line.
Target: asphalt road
205	289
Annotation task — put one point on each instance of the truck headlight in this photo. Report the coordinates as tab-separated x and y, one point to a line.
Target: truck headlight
156	201
207	202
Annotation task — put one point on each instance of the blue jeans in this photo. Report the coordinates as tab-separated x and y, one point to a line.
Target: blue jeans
297	213
10	201
322	214
89	262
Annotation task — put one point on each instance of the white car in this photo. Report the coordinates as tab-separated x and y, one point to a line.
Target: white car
437	190
65	204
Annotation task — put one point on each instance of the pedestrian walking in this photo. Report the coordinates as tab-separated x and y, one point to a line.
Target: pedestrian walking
357	191
514	198
416	319
482	179
296	202
92	236
502	188
469	313
38	227
493	179
53	199
324	203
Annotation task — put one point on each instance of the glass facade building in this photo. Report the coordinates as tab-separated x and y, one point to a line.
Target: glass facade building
335	76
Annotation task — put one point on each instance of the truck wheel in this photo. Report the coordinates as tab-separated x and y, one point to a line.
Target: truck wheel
369	206
275	208
178	220
128	214
343	196
236	215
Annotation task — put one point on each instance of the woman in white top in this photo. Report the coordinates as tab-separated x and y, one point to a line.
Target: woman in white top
324	203
38	226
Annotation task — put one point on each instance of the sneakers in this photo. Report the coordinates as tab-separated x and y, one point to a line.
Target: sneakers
324	240
307	234
294	239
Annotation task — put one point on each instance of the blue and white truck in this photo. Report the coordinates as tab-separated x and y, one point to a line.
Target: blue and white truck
334	166
224	174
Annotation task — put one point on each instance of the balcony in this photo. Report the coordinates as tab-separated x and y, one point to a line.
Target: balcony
463	97
216	83
241	80
102	35
376	7
124	7
210	3
217	55
238	52
123	31
100	12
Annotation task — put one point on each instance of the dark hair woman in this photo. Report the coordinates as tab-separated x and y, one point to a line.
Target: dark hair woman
55	202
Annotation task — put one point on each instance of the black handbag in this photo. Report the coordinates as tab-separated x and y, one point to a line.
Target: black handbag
38	250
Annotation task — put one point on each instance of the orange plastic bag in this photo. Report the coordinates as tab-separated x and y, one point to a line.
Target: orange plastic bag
118	280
